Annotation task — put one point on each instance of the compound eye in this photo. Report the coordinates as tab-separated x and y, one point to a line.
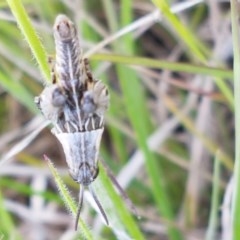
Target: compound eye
58	98
88	105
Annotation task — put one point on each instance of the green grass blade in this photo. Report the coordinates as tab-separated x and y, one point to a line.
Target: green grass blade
31	36
111	16
7	228
153	63
236	68
138	113
213	218
68	200
218	73
117	136
135	103
189	39
119	217
227	92
18	91
27	190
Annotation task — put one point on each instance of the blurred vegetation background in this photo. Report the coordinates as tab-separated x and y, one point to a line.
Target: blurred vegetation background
169	135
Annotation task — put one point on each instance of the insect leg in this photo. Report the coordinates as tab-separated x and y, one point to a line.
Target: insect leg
80	202
98	204
120	190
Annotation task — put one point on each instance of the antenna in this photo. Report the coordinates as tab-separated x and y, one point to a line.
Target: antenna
80	203
98	204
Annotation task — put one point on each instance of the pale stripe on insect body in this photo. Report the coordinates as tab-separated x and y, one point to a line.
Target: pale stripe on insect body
67	67
90	96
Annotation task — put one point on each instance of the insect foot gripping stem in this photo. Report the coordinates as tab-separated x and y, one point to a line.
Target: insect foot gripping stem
75	103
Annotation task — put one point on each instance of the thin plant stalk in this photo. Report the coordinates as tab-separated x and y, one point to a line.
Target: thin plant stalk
31	36
236	66
213	218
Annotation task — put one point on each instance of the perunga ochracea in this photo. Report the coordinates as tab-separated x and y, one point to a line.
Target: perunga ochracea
75	104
